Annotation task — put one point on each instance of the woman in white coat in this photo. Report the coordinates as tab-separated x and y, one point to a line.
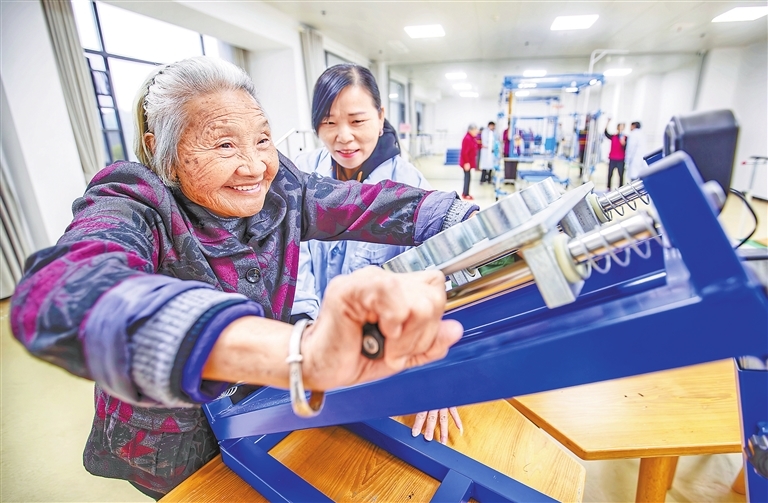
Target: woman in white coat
358	144
487	156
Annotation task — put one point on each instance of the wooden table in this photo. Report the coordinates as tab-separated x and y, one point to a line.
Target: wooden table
656	417
348	468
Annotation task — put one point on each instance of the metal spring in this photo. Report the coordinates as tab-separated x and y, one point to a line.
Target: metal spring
229	391
624	195
639	224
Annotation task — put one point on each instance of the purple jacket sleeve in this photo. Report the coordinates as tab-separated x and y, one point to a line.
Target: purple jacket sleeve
386	212
85	303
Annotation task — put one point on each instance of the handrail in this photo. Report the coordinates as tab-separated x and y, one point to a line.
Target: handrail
285	137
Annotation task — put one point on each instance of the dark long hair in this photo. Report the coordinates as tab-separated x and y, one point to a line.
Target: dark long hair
333	81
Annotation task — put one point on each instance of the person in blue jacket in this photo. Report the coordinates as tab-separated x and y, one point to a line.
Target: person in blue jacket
358	144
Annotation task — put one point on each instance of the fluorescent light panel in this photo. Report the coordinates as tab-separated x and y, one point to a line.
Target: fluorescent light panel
455	75
469	94
571	89
617	72
741	14
463	86
526	85
534	73
425	31
573	22
522	93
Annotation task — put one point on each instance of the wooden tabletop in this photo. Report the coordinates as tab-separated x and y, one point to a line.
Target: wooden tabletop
347	468
691	410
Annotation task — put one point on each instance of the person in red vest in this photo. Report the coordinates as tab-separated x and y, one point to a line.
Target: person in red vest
468	157
616	155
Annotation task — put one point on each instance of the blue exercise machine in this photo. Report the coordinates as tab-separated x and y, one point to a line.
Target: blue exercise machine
592	299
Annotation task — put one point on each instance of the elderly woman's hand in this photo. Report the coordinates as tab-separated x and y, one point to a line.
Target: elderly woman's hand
408	309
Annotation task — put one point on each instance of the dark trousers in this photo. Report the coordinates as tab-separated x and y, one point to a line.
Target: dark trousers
467	177
619	165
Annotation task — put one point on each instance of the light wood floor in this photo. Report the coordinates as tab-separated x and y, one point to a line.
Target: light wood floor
46	414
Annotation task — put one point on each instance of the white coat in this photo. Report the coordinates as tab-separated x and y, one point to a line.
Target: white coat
321	261
487	158
634	153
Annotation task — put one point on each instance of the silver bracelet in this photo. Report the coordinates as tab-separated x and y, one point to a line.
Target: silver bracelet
301	407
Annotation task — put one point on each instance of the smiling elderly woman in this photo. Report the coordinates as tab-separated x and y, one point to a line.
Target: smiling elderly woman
177	276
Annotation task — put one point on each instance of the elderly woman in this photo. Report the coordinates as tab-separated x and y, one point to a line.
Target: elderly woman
177	276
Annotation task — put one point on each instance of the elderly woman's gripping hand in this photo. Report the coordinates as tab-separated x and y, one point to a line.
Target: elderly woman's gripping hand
407	307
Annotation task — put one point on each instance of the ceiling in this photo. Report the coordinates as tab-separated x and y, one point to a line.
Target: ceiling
490	39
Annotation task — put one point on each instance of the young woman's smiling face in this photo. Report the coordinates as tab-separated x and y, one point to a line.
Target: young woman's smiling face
352	128
227	160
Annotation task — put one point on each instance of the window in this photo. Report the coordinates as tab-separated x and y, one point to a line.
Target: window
332	60
121	48
396	113
419	106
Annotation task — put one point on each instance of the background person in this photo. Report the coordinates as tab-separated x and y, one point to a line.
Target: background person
616	154
468	158
507	139
176	277
360	144
487	156
634	151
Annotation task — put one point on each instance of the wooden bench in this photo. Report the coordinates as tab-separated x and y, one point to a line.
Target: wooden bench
656	417
347	468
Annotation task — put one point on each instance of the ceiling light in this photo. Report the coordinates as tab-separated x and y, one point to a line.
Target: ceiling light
573	22
741	14
534	73
526	85
469	94
425	31
571	89
593	82
455	75
462	86
617	72
521	94
393	96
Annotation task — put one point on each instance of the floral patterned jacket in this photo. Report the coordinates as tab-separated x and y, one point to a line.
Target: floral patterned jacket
135	293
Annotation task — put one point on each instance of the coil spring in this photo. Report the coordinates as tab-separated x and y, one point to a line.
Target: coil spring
612	252
229	391
624	195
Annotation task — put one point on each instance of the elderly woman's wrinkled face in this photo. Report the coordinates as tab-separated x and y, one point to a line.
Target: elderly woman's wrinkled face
227	160
352	128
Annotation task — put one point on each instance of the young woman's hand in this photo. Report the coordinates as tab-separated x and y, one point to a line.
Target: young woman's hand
430	418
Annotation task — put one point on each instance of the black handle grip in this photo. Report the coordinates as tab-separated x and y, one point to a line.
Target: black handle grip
373	341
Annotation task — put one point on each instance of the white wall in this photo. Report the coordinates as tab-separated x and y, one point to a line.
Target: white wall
37	138
280	97
453	115
651	99
737	79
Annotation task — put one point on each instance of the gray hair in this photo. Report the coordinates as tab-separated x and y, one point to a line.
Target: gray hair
159	106
472	126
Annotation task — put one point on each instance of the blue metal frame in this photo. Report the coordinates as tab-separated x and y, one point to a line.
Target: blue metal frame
558	81
630	321
754	410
